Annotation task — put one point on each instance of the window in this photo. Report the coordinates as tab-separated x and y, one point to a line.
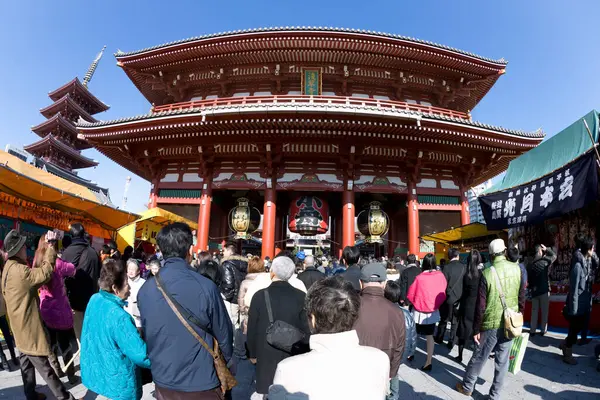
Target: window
242	94
379	97
361	95
425	103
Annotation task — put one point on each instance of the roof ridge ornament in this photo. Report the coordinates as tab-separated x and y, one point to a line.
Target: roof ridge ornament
90	72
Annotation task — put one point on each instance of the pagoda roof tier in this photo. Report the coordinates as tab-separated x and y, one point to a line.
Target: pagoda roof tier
67	106
59	123
190	65
76	89
51	143
476	150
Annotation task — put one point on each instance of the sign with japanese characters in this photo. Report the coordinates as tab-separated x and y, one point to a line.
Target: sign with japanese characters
565	190
312	81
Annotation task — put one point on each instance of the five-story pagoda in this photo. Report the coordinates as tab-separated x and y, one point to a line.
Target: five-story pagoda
60	147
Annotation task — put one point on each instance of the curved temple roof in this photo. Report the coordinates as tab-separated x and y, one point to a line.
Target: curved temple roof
76	87
121	54
539	135
79	159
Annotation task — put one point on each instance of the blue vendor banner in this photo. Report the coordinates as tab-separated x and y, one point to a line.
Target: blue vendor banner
566	189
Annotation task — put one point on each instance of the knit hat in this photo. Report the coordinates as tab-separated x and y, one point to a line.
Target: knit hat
13	242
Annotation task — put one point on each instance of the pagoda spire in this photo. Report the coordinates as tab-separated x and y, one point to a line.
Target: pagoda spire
88	76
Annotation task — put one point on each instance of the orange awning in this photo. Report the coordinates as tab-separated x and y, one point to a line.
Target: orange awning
30	184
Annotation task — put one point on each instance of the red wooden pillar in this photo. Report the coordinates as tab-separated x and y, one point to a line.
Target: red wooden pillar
391	244
268	228
348	218
338	233
153	203
279	233
204	215
413	220
465	217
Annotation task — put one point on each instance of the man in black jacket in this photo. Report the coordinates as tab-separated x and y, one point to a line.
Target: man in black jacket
454	272
537	272
351	257
310	275
407	277
84	284
287	304
233	271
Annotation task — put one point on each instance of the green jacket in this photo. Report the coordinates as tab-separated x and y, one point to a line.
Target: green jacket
510	278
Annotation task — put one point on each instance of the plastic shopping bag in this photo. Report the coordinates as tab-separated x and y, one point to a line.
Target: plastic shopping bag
517	353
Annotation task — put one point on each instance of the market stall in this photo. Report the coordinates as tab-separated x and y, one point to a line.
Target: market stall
548	196
34	201
465	238
142	232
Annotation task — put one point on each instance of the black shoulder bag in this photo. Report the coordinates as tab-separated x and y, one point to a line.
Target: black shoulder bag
280	334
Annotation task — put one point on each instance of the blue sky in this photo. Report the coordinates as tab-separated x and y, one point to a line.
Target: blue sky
552	49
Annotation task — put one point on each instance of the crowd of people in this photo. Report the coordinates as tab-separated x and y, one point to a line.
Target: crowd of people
240	327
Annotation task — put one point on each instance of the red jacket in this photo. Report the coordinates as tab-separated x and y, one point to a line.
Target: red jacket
428	291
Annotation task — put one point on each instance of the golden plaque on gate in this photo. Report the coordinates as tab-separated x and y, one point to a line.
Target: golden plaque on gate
312	81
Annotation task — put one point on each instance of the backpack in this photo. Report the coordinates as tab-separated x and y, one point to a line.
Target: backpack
512	320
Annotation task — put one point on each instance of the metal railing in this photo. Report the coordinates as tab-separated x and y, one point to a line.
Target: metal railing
313	100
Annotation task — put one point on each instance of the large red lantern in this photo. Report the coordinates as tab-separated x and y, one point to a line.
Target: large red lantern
309	216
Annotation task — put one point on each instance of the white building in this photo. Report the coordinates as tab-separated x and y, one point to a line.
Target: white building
474	208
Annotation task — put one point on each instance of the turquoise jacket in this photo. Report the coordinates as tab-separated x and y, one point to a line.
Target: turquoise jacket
111	349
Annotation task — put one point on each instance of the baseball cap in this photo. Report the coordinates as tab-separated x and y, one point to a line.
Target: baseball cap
373	272
497	246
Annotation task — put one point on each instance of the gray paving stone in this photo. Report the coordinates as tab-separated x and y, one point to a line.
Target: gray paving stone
543	376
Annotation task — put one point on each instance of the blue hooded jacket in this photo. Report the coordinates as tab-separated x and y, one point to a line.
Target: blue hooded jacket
179	362
111	349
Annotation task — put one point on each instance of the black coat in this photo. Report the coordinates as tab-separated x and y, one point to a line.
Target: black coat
407	277
287	304
352	275
233	271
84	284
537	273
310	276
454	272
466	311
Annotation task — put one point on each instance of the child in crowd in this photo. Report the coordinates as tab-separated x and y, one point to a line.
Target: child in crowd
392	293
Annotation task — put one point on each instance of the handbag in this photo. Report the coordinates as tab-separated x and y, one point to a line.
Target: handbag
280	334
513	320
225	376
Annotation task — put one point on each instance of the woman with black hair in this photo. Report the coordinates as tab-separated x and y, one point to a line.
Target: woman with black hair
579	299
466	310
427	293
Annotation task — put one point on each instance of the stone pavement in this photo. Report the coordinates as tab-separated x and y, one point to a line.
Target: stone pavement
543	376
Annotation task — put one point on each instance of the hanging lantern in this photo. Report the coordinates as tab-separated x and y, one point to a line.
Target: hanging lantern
309	216
243	219
373	223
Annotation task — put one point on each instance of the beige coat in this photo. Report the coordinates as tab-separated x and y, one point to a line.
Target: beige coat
20	286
